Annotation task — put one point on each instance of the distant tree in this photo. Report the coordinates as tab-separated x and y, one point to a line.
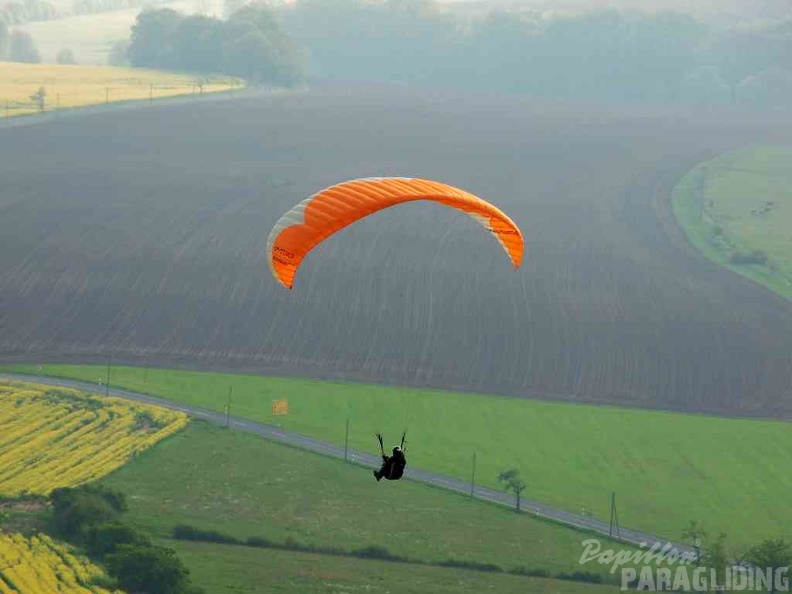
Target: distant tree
65	56
250	44
757	257
511	482
76	510
13	13
196	43
258	48
23	49
39	98
150	43
5	39
770	554
18	12
148	569
104	539
119	53
718	558
695	535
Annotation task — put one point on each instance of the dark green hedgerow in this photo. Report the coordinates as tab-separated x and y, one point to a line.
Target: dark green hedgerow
380	553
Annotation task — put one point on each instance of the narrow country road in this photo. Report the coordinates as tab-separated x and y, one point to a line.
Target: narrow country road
362	458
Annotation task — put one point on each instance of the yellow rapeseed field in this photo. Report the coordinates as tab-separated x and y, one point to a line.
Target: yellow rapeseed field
76	86
56	437
39	565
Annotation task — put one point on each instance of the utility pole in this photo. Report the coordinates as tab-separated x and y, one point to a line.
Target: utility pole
228	408
473	475
346	441
151	92
107	380
614	518
107	95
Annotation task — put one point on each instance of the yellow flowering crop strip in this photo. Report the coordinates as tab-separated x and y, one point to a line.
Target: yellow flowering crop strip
57	437
39	565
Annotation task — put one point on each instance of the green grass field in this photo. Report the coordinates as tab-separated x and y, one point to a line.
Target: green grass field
230	569
740	203
665	468
243	486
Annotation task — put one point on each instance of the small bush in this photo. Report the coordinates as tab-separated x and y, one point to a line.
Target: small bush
118	53
376	552
104	539
372	552
258	541
145	421
581	576
75	510
474	565
755	257
148	569
185	532
292	545
65	56
540	573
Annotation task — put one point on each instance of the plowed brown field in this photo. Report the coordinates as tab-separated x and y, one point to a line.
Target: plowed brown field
142	233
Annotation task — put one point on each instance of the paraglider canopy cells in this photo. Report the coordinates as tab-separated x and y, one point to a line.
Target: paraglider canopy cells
316	218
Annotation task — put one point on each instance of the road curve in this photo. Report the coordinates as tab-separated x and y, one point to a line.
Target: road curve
311	444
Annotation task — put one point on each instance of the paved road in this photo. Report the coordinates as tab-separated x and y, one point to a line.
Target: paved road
362	458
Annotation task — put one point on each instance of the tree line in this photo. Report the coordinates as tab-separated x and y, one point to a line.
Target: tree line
601	54
17	46
249	44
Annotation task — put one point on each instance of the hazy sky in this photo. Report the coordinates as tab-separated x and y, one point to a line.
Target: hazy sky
713	7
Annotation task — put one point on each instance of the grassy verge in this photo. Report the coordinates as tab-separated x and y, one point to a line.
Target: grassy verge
79	86
241	486
665	468
737	210
223	568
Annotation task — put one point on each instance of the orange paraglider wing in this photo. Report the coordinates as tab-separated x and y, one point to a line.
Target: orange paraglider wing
316	218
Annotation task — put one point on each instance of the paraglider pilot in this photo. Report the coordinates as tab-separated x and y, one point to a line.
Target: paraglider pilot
392	466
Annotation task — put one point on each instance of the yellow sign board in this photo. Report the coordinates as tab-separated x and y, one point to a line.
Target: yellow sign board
280	407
